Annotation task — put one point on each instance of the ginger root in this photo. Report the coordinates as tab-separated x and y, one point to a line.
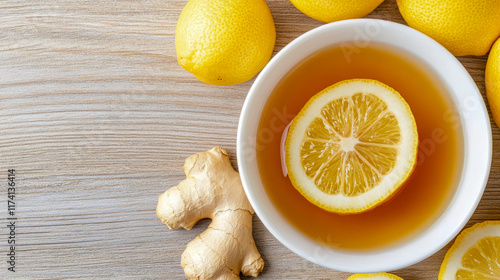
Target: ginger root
212	189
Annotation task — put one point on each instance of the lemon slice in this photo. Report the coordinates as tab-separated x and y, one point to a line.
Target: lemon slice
352	146
475	254
374	276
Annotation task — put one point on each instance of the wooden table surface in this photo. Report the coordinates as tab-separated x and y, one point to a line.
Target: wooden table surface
97	117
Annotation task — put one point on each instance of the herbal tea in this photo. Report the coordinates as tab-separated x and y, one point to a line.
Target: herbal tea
423	197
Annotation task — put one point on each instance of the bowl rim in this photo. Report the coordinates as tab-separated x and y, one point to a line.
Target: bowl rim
477	146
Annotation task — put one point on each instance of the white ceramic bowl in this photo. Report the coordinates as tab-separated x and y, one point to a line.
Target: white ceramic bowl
476	139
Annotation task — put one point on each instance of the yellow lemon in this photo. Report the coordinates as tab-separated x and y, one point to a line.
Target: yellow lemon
333	10
225	42
352	146
493	81
475	254
464	27
374	276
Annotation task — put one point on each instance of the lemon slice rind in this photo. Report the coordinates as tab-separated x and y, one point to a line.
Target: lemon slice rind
374	276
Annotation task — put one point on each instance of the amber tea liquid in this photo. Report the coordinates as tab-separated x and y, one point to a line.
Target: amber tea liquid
433	183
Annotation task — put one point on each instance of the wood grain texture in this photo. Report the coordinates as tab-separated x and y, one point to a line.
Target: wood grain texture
97	118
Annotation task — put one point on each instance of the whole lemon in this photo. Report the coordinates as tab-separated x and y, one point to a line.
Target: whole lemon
225	42
464	27
333	10
493	81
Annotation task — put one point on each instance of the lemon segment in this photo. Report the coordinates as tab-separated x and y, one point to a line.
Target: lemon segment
475	254
374	276
352	146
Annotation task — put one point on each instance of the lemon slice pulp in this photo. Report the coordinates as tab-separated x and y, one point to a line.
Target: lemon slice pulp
352	146
475	254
